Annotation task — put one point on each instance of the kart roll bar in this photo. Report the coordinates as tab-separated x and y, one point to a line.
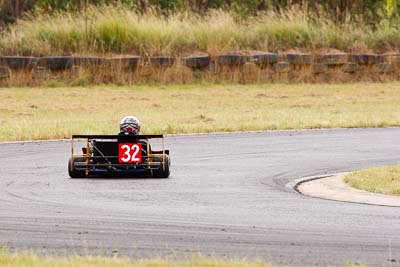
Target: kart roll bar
119	137
109	136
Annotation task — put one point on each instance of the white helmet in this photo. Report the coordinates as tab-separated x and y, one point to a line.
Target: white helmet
129	125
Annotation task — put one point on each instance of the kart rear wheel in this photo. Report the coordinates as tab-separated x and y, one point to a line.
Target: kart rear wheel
163	171
73	173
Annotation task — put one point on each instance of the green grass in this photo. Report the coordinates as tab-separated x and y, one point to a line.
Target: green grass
384	180
116	30
43	113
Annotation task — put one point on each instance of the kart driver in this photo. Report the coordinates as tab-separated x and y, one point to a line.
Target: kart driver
129	125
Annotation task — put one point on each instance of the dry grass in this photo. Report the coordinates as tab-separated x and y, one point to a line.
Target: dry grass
33	260
42	113
385	180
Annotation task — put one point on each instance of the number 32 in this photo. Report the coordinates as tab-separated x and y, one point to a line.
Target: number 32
130	153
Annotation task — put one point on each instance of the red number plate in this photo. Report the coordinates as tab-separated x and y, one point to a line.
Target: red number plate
129	153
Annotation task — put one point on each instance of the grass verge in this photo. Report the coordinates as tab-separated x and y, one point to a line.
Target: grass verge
384	180
34	260
43	113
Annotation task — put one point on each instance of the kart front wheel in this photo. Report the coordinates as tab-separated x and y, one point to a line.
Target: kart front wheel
163	171
73	173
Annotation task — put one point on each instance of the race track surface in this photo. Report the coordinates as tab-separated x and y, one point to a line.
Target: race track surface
226	198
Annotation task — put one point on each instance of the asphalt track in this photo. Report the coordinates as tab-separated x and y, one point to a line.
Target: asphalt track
226	198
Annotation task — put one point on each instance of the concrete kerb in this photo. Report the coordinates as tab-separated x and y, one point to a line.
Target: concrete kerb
293	185
346	194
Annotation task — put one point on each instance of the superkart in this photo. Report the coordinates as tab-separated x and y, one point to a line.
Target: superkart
118	155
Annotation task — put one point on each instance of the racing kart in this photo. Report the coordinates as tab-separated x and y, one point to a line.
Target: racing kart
118	155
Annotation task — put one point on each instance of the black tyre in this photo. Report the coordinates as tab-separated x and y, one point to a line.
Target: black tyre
17	62
364	59
163	171
197	62
55	63
264	59
130	62
299	59
162	61
331	59
88	61
232	59
4	72
73	173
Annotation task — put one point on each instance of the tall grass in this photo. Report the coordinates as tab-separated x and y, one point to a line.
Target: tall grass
117	29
